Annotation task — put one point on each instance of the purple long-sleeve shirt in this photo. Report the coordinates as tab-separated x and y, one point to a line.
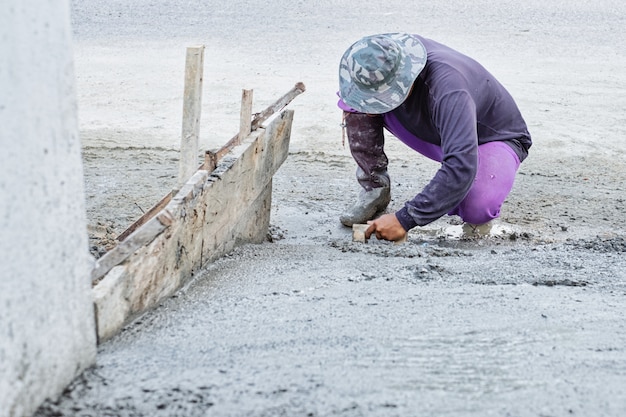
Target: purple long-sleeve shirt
455	105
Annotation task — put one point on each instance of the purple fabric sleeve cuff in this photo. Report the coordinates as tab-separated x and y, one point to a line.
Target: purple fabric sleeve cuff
343	106
405	219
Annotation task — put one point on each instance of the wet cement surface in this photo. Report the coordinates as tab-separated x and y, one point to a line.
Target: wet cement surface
527	322
268	331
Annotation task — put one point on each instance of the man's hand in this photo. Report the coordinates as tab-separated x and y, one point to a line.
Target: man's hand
386	227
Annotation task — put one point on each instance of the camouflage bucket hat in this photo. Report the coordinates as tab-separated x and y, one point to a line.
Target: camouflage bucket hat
376	73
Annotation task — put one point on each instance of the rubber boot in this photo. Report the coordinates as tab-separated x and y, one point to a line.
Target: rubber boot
367	205
366	139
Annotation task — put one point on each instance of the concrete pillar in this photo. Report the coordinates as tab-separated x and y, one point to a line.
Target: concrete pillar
47	330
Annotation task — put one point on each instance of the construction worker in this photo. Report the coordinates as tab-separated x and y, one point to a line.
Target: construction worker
441	104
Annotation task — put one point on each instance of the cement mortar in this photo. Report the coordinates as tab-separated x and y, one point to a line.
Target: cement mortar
527	322
273	330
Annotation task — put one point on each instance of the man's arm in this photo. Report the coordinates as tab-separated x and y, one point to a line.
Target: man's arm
455	118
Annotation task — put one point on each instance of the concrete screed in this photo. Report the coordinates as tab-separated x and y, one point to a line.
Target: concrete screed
527	323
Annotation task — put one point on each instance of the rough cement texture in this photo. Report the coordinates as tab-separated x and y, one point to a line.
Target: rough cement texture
529	322
47	329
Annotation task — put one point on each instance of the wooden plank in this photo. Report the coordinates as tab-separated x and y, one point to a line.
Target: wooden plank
137	239
145	217
278	105
245	115
192	105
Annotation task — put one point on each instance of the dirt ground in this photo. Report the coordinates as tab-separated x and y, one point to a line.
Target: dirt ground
527	322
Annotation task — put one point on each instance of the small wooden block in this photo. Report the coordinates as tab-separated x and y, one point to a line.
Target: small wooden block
358	232
401	241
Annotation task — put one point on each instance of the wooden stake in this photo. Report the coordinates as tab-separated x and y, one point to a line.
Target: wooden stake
192	104
245	121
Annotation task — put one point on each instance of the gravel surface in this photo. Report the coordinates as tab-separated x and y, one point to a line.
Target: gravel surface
527	322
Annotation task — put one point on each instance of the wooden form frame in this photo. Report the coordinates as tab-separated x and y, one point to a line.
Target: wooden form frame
211	214
226	202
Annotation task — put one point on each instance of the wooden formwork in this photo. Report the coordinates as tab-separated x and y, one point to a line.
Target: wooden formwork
225	203
210	215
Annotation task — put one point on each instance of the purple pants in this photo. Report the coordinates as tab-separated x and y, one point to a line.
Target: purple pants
497	166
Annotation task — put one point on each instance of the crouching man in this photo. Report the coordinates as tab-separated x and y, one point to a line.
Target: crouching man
445	106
